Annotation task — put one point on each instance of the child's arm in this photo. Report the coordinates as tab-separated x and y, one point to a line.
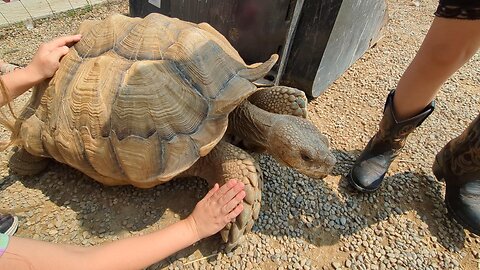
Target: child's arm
44	64
211	214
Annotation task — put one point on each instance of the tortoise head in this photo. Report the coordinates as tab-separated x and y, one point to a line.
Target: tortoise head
299	144
293	141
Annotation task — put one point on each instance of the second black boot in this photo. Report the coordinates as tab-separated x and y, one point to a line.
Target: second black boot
371	166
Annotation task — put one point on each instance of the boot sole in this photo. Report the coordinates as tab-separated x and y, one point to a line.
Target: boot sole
438	172
357	187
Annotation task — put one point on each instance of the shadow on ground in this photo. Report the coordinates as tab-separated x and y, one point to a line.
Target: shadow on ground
113	210
409	191
119	210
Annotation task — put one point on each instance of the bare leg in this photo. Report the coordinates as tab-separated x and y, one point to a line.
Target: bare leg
449	44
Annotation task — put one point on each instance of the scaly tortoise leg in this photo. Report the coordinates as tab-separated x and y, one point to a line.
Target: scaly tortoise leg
24	163
281	100
226	162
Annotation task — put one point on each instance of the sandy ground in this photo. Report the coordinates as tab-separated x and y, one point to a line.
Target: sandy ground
402	226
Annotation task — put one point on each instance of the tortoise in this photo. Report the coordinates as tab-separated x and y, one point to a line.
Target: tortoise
143	101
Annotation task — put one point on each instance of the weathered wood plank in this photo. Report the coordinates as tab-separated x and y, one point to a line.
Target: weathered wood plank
18	11
13	12
2	20
94	2
78	3
38	8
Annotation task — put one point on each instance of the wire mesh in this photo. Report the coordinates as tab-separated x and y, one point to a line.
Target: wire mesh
14	11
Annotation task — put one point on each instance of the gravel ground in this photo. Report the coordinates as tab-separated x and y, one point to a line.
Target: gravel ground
304	223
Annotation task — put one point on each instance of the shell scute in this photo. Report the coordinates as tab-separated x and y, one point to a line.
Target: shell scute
150	99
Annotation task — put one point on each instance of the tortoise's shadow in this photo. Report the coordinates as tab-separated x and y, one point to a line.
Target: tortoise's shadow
312	210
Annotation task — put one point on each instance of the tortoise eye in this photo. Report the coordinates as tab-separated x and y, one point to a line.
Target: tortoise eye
306	157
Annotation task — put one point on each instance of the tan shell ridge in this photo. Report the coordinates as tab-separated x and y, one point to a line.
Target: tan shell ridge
138	101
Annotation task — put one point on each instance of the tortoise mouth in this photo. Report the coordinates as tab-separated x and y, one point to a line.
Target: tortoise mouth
312	172
318	174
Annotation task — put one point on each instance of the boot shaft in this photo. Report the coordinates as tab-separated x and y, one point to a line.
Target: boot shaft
392	134
460	158
371	166
458	163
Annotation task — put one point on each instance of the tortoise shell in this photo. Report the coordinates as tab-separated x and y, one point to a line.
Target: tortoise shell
138	101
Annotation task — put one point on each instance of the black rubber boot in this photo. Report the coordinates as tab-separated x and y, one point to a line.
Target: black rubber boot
371	166
458	163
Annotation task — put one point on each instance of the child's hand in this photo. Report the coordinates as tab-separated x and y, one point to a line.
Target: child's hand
217	208
47	58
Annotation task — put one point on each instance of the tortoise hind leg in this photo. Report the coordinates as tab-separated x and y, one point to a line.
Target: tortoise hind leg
281	100
24	163
226	162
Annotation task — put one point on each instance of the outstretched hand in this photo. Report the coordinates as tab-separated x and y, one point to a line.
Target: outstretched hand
47	58
220	206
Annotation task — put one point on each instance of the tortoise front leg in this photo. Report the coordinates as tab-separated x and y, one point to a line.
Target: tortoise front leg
226	162
24	163
281	100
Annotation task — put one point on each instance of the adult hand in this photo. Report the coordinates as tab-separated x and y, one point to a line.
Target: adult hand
220	206
47	58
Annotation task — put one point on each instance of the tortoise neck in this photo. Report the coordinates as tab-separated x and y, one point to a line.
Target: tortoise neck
252	124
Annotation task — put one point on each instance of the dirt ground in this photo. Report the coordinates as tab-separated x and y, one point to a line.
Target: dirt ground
304	223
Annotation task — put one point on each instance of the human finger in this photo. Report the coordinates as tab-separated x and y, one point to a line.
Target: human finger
63	41
211	191
235	212
230	194
59	52
223	189
227	208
